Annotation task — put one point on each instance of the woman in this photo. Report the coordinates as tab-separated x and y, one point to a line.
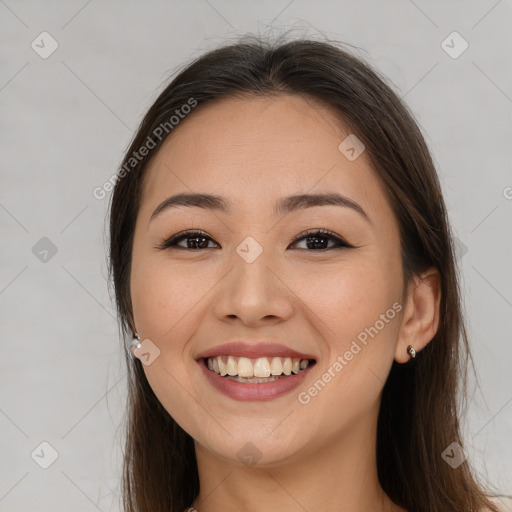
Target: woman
282	257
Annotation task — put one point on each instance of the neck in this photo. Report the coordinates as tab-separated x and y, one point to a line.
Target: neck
335	474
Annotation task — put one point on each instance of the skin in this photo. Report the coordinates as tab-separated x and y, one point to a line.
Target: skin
253	151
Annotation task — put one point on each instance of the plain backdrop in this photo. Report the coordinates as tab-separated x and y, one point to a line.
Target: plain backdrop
68	116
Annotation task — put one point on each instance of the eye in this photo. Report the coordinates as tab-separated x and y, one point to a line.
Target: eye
316	238
197	240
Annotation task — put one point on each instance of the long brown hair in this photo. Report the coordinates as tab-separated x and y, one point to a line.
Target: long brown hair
419	413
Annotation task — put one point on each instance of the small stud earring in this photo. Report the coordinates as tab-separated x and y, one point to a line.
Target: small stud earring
411	351
135	343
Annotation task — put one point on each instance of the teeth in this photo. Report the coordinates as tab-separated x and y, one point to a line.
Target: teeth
245	368
255	380
222	366
277	366
287	366
256	370
261	367
232	366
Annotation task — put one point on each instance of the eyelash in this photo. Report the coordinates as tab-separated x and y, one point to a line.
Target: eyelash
311	233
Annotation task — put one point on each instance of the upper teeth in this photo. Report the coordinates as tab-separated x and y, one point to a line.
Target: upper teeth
260	367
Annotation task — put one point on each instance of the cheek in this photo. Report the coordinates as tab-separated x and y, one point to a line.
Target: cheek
359	310
161	295
163	300
350	297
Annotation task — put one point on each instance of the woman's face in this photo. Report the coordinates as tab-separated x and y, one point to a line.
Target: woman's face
244	278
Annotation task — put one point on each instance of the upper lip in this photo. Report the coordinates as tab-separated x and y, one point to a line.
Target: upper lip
253	350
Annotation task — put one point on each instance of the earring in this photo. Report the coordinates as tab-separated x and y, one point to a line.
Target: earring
135	343
411	351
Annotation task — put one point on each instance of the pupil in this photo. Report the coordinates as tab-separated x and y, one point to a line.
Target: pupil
202	245
316	244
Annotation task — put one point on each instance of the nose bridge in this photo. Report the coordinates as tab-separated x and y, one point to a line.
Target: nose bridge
253	268
253	290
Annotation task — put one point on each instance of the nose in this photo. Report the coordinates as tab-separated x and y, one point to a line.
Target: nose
254	292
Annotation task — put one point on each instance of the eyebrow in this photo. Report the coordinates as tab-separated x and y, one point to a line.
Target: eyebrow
281	207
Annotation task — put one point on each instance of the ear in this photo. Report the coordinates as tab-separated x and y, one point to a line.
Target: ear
420	319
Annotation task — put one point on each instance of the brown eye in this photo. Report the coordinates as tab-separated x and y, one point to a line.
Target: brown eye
318	238
194	240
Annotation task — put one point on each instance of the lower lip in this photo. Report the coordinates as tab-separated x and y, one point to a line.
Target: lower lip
256	392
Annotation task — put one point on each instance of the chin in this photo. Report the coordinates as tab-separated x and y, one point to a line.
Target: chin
256	447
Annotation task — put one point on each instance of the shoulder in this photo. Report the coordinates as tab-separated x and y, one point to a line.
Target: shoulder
502	504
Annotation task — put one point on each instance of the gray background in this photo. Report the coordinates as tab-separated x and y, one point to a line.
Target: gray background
66	121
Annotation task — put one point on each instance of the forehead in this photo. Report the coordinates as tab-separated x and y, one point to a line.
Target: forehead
256	149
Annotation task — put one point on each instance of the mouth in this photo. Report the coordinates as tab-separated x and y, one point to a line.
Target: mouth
256	371
259	370
255	379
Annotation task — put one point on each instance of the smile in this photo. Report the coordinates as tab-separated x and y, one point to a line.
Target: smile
257	379
258	370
